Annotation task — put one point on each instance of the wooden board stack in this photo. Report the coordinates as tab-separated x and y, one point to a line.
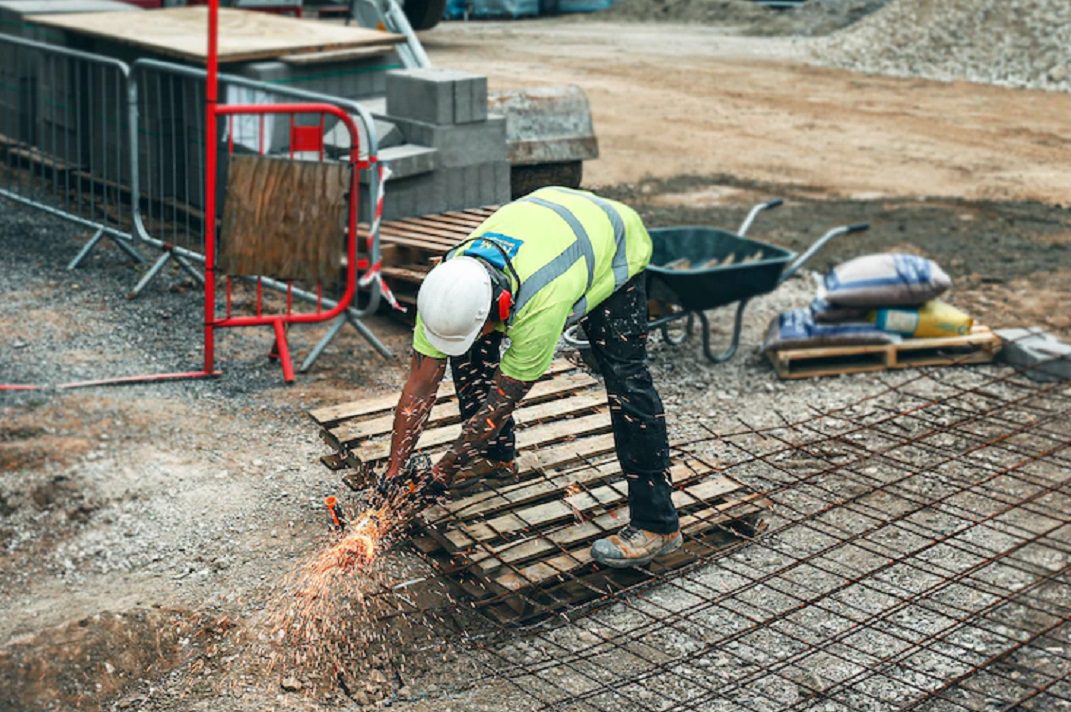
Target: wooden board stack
520	549
979	346
412	246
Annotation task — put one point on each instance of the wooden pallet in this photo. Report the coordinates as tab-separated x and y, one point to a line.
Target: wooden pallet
520	550
980	346
412	246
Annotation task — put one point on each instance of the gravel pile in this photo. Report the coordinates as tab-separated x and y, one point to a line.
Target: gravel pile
1023	43
815	17
689	11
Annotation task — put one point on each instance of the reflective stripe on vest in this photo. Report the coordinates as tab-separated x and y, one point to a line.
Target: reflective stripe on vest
620	261
581	248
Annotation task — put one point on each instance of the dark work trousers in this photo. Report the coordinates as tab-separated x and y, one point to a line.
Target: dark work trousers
617	330
473	373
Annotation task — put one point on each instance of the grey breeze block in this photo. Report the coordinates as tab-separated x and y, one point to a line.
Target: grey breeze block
437	96
460	145
1041	355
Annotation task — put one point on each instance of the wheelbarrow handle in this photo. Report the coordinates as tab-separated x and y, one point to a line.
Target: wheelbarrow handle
768	205
813	250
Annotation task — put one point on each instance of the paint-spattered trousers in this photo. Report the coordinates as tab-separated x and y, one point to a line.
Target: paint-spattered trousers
617	330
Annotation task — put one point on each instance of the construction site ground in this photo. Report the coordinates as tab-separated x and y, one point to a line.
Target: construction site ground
143	528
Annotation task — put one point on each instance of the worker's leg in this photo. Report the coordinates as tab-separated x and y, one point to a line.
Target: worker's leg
473	374
617	330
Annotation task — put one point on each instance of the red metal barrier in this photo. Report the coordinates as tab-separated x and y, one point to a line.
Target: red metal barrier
301	139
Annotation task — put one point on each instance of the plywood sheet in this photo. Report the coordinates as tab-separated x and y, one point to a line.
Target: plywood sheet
244	35
283	218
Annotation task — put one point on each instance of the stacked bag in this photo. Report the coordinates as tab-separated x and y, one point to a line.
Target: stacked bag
874	299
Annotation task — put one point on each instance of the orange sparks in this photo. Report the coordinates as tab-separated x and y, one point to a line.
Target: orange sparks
357	548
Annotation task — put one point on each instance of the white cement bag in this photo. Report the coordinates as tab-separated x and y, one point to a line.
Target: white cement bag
884	280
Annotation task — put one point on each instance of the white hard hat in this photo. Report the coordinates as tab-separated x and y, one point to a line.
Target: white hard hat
453	303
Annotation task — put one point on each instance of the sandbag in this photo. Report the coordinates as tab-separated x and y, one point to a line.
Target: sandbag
884	280
797	329
826	313
934	318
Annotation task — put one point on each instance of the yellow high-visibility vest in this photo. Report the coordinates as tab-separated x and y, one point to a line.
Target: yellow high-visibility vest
572	250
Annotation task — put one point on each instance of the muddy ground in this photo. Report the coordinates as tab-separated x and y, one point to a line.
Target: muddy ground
144	529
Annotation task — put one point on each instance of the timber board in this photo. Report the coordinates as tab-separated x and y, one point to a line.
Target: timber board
244	35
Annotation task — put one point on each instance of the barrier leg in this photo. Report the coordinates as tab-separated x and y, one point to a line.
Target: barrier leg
127	248
336	326
86	249
282	348
189	268
148	276
368	335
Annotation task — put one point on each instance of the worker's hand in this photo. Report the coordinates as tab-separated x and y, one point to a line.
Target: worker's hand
418	484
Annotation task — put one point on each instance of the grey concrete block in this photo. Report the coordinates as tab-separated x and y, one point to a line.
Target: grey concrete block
436	96
406	160
460	145
1041	355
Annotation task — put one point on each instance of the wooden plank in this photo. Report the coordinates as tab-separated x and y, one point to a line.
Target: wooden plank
455	226
466	223
335	55
244	35
466	535
396	231
537	436
416	244
435	229
329	415
509	556
446	412
436	235
405	274
543	572
488	502
369	452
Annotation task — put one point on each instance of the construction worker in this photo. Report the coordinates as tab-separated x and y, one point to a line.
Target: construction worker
533	268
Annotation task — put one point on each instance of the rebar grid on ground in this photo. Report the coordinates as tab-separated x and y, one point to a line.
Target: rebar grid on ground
916	557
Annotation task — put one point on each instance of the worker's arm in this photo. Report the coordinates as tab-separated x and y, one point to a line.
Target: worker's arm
479	430
418	396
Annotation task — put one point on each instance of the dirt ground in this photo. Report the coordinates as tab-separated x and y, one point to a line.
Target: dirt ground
143	529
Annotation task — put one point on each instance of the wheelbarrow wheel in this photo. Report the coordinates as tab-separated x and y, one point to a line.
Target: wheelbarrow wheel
677	339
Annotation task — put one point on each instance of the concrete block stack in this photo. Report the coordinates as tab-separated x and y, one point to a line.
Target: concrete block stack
464	162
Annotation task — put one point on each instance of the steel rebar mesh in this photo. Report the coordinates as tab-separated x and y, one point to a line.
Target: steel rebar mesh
915	556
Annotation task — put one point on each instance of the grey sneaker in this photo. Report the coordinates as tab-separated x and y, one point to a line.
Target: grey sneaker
634	547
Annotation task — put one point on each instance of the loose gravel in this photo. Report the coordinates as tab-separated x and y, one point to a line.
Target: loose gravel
1021	43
